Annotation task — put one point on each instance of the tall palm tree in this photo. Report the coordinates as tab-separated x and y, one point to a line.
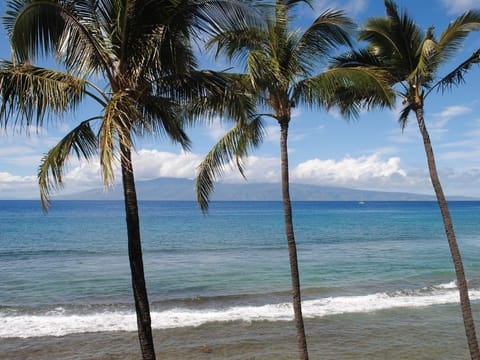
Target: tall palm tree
135	60
413	58
282	72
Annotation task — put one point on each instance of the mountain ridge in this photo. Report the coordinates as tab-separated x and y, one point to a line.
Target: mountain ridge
176	189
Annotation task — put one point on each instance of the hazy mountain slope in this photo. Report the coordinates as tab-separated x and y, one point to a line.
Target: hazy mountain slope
183	189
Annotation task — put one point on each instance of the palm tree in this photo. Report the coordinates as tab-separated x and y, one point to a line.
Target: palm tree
281	73
135	60
413	59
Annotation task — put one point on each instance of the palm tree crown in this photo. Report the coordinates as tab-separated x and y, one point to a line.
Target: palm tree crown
285	69
135	60
412	56
413	59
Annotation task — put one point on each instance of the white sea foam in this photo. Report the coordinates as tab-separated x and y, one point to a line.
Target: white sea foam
450	285
59	323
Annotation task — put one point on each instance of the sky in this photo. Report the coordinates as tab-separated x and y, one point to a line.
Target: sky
371	152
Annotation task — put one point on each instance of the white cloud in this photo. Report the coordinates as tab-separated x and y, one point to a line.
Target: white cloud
437	129
19	156
374	172
6	178
466	149
355	7
20	187
217	129
147	164
459	155
335	113
24	150
256	169
296	113
150	164
453	111
351	7
350	171
365	172
437	124
83	172
459	6
463	182
272	133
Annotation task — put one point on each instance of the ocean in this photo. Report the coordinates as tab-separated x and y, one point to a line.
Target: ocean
377	280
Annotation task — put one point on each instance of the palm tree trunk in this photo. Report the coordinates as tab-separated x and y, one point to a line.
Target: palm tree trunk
452	242
292	247
135	257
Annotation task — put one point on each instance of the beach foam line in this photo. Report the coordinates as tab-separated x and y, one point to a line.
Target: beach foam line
60	323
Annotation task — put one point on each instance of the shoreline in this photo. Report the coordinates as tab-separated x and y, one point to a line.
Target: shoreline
433	332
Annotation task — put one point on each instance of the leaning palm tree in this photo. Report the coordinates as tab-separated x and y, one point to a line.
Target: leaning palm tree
134	59
283	72
413	59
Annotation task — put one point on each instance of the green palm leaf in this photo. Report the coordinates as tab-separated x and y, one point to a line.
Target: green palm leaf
81	141
234	145
456	76
451	40
349	88
331	29
403	118
30	94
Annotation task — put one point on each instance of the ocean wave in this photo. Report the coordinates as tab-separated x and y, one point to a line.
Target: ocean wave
59	322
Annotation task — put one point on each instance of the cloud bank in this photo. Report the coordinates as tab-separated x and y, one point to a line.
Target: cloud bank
370	172
459	6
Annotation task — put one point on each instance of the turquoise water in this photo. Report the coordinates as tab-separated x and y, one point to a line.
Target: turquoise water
66	273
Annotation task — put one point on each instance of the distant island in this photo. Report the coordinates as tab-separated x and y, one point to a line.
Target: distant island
175	189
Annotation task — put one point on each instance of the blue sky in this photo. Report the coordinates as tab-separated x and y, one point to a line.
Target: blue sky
368	153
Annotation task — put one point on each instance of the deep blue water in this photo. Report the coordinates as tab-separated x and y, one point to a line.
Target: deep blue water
73	261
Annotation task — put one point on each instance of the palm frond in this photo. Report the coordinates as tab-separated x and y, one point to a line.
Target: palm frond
152	38
330	30
64	28
83	47
427	63
456	76
164	117
216	16
396	38
234	145
236	44
377	32
348	88
115	131
362	57
232	102
403	118
33	28
263	70
451	40
80	141
29	94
